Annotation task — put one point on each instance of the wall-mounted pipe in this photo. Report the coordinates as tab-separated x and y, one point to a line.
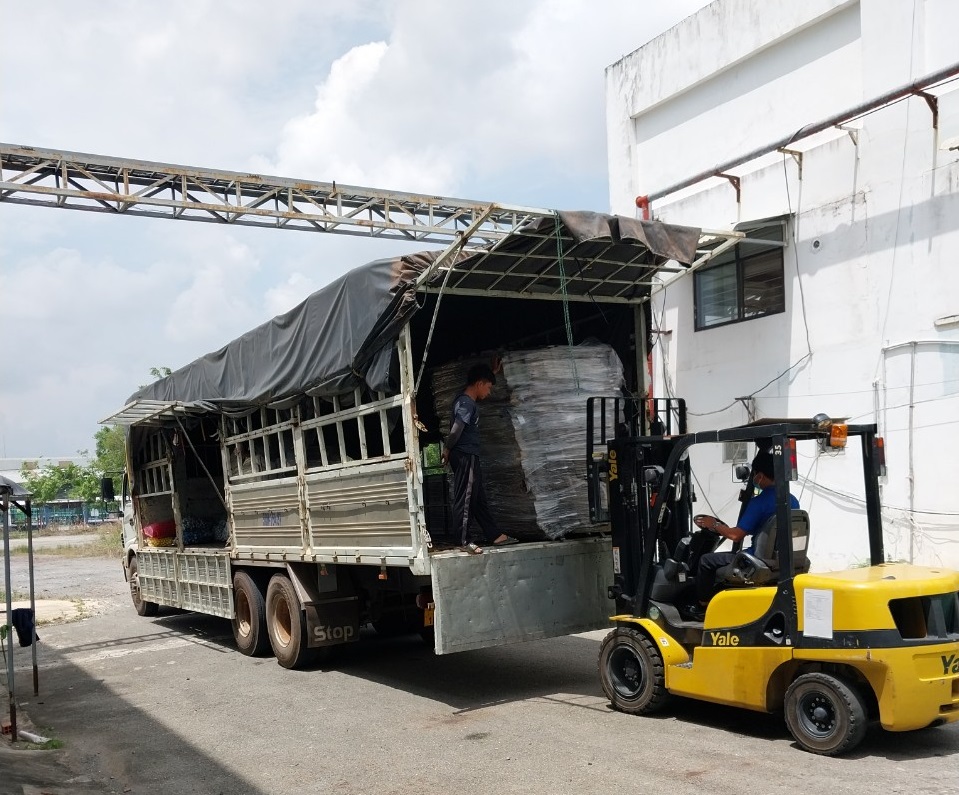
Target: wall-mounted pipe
912	89
913	345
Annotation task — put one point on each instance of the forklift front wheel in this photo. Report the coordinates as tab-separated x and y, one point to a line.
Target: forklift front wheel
632	673
824	714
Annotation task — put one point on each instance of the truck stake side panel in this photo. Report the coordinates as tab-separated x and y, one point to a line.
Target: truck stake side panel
362	510
199	580
266	516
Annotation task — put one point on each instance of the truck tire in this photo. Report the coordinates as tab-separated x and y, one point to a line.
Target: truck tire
824	714
249	617
143	608
632	673
286	623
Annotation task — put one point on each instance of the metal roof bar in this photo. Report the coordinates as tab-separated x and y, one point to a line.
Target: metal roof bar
95	183
144	411
914	88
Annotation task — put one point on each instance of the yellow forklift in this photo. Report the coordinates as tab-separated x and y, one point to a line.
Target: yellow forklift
833	651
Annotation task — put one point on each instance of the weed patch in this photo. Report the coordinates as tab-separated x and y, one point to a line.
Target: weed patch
104	542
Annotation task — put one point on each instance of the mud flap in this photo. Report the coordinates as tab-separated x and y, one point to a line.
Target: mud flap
333	621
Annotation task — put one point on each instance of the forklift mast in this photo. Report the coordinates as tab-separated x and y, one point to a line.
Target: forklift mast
629	442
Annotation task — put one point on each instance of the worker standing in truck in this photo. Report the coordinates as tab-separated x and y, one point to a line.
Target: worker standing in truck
462	452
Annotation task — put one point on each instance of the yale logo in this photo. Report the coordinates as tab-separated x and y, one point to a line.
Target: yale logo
950	664
724	639
613	466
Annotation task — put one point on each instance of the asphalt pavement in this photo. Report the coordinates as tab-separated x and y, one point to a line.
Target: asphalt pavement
168	705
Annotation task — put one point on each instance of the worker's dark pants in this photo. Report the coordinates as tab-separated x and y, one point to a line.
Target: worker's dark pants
709	564
469	498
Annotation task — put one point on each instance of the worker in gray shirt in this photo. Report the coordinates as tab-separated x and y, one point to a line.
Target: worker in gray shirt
462	452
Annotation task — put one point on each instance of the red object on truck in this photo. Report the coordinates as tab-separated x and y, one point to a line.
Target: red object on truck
164	529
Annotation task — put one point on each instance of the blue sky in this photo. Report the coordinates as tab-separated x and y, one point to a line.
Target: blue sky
499	100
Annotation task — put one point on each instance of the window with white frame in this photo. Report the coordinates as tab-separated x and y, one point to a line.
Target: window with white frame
746	281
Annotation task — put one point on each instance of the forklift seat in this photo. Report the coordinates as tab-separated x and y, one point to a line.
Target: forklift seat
762	565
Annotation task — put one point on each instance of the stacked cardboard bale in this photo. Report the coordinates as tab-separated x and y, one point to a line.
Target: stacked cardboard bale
533	431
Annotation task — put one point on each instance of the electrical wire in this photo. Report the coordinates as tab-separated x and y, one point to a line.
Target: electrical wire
902	184
869	391
861	501
794	228
702	492
906	405
802	303
714	411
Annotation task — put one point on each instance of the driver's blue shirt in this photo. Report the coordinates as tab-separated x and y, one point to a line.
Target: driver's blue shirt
757	513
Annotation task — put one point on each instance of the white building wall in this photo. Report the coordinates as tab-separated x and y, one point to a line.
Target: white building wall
871	266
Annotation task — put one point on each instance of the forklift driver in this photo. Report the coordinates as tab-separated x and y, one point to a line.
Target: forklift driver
760	508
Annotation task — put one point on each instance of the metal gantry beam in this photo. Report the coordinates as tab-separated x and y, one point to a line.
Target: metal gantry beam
76	181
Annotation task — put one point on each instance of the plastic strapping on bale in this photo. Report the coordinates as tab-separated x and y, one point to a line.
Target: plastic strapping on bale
562	286
533	434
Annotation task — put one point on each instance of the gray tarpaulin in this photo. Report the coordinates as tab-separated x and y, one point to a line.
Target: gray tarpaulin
343	335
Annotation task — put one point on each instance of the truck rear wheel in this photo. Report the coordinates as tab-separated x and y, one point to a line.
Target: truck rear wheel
249	617
824	714
286	623
143	607
632	673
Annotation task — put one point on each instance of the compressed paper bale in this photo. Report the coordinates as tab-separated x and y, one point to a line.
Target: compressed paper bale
533	433
549	388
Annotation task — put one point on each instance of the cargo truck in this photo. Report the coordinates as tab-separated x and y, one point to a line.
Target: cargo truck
285	482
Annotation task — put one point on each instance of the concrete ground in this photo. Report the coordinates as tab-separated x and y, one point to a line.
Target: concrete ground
168	705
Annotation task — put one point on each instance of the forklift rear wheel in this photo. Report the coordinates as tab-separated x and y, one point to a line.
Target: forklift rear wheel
143	607
632	673
824	714
249	620
286	624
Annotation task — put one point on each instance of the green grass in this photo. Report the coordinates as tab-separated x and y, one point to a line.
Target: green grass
50	745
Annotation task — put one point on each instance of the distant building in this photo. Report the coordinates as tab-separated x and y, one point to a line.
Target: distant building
847	301
63	510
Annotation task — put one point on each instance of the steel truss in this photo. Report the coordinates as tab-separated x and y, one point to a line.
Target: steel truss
72	180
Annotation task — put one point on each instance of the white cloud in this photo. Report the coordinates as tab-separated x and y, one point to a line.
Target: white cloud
499	100
216	296
475	93
190	81
338	140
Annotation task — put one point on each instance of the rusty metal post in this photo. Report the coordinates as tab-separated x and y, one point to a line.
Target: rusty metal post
4	505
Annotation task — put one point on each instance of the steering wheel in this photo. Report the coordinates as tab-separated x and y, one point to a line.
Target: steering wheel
705	521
